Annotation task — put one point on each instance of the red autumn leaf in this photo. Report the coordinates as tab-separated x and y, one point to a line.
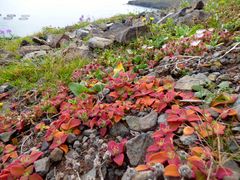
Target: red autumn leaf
72	123
223	172
26	159
59	139
118	159
35	176
17	170
64	147
171	170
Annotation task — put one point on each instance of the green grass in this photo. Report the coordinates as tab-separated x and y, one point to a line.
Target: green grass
43	74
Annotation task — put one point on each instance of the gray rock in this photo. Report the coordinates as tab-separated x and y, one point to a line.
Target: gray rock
188	140
88	132
90	174
193	17
81	33
235	168
186	82
162	119
233	146
119	129
45	146
131	32
42	166
57	41
142	123
5	88
129	174
236	106
39	41
99	42
74	52
72	154
224	77
136	148
212	77
28	49
76	144
35	54
6	57
71	138
56	155
7	136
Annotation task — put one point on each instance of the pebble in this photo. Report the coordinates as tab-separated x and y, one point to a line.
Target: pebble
56	155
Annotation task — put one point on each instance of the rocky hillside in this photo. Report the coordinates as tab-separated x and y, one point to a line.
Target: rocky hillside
148	96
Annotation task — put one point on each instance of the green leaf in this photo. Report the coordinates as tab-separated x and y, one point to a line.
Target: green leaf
224	85
98	87
78	88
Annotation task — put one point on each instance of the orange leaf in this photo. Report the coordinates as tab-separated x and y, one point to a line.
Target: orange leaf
142	167
188	130
171	170
14	154
64	147
197	151
17	170
76	132
158	157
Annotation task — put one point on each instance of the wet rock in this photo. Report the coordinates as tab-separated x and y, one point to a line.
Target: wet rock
99	42
28	49
136	148
45	146
131	32
57	41
162	119
186	82
5	88
71	138
7	136
236	106
42	166
188	140
142	123
119	129
56	155
35	54
144	175
76	144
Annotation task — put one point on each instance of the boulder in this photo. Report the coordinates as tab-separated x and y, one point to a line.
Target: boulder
81	33
39	41
99	42
57	41
76	52
5	88
186	82
129	33
28	49
136	148
35	54
142	123
196	16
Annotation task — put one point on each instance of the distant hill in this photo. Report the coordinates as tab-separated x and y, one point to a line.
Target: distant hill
159	4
